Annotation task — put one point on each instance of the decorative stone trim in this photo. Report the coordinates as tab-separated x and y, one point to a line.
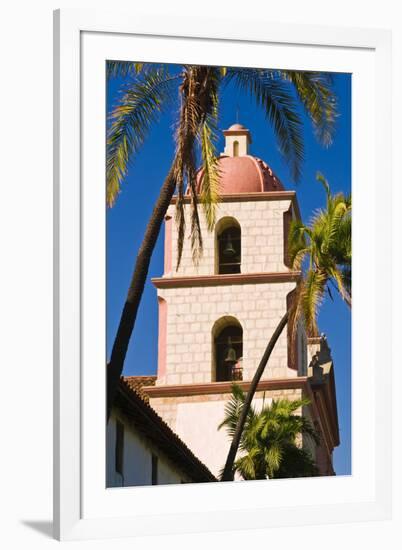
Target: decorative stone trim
232	279
224	387
244	197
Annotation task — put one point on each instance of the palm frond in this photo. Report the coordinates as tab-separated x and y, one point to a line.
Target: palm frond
313	289
342	248
298	246
198	107
279	107
180	217
314	90
338	277
327	243
186	134
273	456
246	465
339	212
131	120
321	179
233	409
296	404
195	233
122	68
268	434
210	174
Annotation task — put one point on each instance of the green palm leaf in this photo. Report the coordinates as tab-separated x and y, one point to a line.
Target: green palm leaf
131	120
314	90
197	115
210	175
313	289
279	107
327	243
123	69
233	409
268	436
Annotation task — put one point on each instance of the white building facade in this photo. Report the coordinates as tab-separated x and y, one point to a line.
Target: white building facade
141	449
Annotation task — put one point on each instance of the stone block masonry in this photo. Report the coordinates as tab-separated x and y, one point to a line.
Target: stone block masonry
192	312
262	236
189	357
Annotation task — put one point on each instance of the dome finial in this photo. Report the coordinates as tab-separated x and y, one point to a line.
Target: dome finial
237	140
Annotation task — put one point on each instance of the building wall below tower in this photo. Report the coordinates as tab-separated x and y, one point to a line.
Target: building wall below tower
196	418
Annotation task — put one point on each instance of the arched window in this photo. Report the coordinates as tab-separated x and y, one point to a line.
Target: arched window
228	350
235	148
228	246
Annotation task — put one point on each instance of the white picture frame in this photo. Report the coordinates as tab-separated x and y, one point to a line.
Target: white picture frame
83	507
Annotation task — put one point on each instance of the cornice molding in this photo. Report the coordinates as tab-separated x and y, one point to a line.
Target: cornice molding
223	387
246	197
232	279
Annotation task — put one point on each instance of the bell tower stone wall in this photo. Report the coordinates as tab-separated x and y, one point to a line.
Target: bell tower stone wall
194	298
262	236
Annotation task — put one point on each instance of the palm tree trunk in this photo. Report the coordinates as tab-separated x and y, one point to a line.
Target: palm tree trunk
129	313
227	474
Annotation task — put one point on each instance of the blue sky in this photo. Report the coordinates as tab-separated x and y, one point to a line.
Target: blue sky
127	220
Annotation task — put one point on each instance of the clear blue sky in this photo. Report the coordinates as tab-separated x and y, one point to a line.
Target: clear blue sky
127	220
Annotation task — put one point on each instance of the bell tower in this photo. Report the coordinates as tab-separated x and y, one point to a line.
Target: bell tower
215	319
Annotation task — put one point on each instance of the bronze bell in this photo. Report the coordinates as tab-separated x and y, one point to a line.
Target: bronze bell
229	248
231	353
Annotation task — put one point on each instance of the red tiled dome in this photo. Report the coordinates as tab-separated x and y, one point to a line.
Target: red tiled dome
244	174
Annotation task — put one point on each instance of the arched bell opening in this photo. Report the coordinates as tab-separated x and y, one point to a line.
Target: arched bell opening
235	148
227	339
228	246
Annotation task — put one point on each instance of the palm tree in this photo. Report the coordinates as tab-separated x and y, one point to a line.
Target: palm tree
150	91
268	446
198	114
323	251
326	248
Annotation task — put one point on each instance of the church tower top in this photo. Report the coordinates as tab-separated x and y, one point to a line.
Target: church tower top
237	141
240	172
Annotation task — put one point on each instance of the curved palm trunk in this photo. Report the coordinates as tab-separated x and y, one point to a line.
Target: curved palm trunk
196	93
227	474
137	283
